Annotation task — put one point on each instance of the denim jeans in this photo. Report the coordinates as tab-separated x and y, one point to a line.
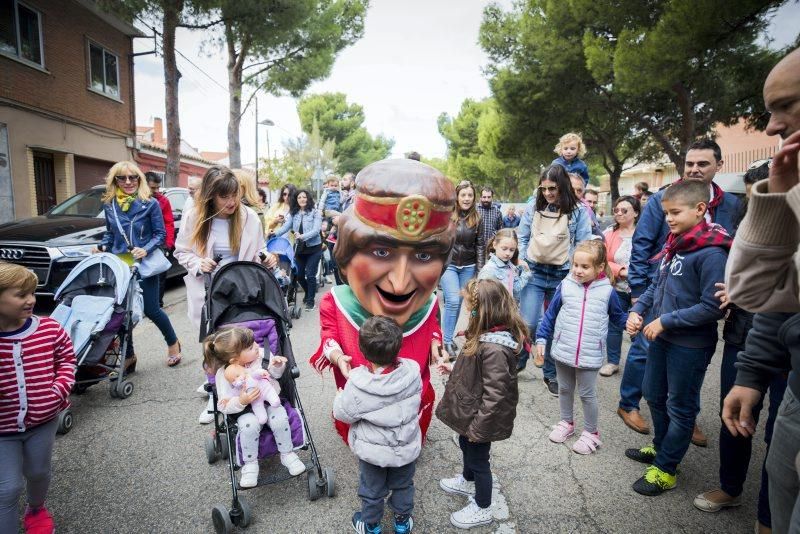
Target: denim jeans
453	281
630	387
735	452
476	468
614	338
376	483
307	265
673	378
782	466
535	297
154	312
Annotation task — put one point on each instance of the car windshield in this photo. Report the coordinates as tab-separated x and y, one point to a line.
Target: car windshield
84	204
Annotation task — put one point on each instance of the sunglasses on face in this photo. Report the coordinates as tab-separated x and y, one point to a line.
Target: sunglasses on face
551	189
123	179
621	211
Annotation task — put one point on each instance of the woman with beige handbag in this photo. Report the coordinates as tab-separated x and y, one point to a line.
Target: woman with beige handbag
553	223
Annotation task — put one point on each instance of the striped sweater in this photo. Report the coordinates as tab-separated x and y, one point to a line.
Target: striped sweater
37	371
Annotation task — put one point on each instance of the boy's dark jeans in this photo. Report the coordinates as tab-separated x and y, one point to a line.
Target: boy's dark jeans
374	485
673	378
734	452
477	469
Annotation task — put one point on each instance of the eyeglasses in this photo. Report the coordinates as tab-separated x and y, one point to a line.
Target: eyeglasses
123	179
551	189
621	211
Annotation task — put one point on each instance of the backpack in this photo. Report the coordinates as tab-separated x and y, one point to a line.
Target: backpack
549	244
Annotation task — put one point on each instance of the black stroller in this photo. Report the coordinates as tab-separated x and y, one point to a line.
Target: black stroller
247	294
99	304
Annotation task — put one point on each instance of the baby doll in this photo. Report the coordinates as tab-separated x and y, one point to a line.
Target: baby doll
244	379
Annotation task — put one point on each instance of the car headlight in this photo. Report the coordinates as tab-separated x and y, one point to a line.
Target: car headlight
76	251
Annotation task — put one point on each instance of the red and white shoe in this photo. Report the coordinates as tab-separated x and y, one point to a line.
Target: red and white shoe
38	521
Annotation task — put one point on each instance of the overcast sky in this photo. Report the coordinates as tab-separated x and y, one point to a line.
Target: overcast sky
416	60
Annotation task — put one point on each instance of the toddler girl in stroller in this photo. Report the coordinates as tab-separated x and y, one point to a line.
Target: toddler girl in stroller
235	347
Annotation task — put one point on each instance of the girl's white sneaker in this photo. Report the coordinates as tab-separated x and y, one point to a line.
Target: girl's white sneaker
471	516
458	485
249	478
207	415
293	463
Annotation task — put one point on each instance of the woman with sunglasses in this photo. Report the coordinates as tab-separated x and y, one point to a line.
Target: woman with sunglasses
129	208
276	214
619	241
553	223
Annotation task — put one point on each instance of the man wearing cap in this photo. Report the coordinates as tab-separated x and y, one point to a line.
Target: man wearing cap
392	248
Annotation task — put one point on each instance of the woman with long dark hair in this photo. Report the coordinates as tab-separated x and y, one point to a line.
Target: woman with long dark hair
467	258
306	223
619	239
553	223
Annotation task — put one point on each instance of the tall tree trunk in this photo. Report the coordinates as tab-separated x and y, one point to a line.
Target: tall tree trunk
172	17
235	69
613	178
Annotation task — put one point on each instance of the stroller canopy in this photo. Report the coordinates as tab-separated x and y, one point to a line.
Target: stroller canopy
282	247
98	270
243	291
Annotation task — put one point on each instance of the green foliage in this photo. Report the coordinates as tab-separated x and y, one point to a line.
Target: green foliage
343	122
639	79
302	156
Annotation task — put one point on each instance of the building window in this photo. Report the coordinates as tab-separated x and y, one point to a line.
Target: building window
103	70
21	32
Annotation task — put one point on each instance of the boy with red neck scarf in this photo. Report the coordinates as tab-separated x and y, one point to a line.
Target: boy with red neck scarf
683	332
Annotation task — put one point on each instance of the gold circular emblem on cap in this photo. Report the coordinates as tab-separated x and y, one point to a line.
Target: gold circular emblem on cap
412	215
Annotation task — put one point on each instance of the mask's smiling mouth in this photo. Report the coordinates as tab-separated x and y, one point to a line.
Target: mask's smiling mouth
392	297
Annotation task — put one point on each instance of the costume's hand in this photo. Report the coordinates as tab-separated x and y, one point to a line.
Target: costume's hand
444	368
207	265
722	295
783	174
248	396
278	361
737	410
436	352
270	260
653	330
138	253
634	323
343	363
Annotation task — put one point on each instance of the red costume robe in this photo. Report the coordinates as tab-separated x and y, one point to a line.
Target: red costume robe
341	316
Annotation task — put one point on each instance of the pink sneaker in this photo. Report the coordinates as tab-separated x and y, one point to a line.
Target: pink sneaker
38	521
587	443
562	431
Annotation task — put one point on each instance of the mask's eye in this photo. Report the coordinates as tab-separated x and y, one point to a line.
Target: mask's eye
381	253
424	256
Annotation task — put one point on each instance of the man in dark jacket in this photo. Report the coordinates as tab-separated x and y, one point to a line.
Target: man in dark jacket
703	161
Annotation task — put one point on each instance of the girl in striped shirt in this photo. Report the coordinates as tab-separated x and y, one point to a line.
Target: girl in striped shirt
37	371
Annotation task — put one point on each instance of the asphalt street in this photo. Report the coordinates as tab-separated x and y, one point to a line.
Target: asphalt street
138	465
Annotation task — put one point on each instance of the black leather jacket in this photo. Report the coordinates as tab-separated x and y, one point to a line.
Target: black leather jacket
469	247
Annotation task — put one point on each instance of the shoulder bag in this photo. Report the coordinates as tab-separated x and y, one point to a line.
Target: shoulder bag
151	265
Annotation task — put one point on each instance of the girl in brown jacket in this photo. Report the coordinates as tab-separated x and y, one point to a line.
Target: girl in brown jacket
480	398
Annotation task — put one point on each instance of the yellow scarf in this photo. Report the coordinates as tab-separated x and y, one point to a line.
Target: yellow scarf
125	201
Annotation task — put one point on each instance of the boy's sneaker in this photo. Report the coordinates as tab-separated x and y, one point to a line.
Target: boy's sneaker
403	524
309	306
38	521
458	485
471	516
365	528
249	478
654	482
562	431
552	386
645	455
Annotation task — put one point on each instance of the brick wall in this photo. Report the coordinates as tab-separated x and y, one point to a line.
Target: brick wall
66	27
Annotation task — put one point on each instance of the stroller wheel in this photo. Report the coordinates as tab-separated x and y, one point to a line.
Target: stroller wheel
224	448
124	389
221	519
245	515
65	422
314	490
330	482
212	454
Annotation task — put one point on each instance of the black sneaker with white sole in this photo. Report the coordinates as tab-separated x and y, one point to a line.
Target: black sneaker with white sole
552	386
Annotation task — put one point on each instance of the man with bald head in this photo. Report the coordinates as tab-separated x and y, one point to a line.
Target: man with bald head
762	276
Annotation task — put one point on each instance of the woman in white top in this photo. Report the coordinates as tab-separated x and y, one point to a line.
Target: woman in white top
619	239
218	226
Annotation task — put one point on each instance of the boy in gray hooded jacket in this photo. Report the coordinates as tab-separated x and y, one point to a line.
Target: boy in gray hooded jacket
381	402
